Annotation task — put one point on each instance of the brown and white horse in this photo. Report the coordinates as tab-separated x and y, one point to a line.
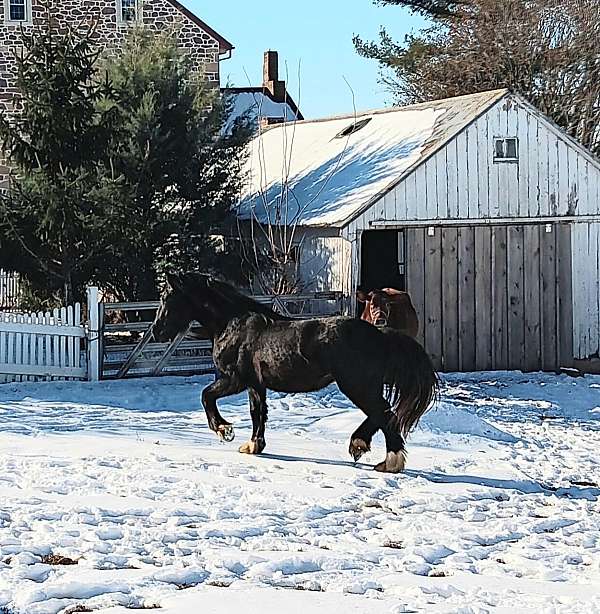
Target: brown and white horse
389	307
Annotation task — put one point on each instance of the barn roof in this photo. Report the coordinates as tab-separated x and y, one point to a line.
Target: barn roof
325	172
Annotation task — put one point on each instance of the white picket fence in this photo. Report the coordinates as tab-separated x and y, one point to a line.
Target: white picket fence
44	346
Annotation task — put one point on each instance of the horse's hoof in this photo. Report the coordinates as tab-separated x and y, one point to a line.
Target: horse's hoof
252	447
357	448
226	432
394	463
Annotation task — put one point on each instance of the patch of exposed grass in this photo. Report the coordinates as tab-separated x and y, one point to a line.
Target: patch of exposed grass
313	587
57	559
219	583
396	545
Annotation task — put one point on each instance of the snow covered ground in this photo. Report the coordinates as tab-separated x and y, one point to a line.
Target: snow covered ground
498	511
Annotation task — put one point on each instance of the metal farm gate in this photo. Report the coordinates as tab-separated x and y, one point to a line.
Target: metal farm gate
493	297
127	349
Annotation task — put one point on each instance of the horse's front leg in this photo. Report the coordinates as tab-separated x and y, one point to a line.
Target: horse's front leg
223	387
360	441
258	411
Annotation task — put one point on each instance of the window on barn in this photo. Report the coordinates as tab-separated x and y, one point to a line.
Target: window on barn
17	10
506	149
127	10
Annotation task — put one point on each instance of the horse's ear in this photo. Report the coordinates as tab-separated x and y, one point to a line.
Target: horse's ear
362	296
174	280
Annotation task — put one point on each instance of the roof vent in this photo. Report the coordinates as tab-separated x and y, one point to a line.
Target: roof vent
352	128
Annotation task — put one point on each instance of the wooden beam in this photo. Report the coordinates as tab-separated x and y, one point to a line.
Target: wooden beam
139	348
42	370
495	221
170	350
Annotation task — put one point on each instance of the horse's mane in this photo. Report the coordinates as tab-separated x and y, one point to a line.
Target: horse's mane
242	303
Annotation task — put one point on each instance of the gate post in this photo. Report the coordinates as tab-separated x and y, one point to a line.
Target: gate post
93	335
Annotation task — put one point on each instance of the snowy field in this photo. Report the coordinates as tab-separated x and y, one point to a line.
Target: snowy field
498	511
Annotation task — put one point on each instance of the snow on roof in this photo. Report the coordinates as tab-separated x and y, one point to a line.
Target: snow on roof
259	105
315	173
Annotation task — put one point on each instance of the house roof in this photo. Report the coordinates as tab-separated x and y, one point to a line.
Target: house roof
320	173
224	44
264	103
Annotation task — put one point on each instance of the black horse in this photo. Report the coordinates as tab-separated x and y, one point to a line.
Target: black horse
387	374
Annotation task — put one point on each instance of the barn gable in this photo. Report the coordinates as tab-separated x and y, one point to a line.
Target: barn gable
552	176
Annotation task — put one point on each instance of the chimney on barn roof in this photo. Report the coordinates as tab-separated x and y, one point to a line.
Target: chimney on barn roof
271	80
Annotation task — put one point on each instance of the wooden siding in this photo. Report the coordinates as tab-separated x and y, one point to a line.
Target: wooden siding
493	297
552	178
325	263
586	290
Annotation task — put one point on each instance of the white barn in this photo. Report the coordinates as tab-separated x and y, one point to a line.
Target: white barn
479	206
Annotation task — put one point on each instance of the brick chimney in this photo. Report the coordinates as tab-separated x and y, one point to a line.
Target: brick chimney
271	80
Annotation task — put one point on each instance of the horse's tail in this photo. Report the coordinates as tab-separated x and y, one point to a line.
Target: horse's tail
412	382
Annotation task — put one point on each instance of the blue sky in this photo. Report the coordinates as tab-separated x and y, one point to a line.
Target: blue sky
315	38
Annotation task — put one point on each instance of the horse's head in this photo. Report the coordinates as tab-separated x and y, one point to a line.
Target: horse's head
377	308
212	303
188	297
390	307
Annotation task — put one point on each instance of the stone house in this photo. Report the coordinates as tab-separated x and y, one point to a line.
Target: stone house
113	18
269	103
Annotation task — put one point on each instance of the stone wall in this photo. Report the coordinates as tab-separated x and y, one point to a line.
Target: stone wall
111	31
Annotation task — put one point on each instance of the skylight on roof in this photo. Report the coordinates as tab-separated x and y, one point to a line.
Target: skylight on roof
352	128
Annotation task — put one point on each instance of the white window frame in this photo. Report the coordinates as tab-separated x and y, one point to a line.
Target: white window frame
138	13
16	22
504	158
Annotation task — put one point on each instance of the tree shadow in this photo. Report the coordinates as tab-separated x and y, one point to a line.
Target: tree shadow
341	181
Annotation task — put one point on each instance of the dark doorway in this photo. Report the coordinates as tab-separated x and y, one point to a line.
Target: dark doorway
382	259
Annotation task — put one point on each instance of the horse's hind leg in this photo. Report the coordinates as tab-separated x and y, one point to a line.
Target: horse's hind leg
258	411
223	387
371	401
395	458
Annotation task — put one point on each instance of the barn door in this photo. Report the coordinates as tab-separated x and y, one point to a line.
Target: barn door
493	297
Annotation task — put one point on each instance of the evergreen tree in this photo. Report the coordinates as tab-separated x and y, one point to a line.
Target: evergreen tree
183	168
120	168
546	50
61	213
